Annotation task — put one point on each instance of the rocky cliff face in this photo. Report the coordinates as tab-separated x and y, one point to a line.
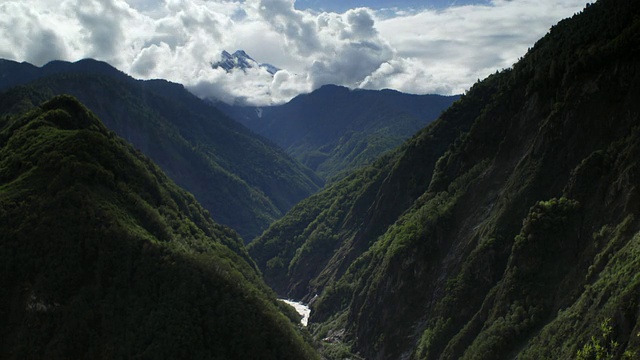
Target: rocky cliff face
505	229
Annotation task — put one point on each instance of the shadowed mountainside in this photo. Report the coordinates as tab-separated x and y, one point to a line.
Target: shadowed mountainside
334	130
104	257
508	228
242	179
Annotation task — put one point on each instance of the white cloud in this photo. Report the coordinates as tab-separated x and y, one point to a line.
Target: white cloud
428	51
23	33
298	28
101	25
459	45
411	75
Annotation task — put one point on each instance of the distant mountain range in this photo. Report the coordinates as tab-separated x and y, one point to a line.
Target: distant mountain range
244	180
334	130
240	60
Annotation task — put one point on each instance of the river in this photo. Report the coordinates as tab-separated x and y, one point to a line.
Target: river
301	308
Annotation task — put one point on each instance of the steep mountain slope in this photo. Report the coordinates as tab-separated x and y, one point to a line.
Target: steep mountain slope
104	257
506	229
334	130
243	180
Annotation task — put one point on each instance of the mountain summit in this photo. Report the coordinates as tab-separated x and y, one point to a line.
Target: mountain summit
242	61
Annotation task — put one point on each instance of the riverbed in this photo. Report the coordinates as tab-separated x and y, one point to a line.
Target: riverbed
301	308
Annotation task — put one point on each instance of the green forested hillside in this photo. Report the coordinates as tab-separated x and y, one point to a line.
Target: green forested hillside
506	229
242	179
104	257
334	130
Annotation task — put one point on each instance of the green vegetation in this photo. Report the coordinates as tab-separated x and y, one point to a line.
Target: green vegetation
508	228
334	130
602	347
304	241
103	256
243	180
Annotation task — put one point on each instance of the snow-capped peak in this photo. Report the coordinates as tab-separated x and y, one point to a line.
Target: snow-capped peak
242	61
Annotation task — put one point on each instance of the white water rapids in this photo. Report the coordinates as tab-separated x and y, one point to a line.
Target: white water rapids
301	308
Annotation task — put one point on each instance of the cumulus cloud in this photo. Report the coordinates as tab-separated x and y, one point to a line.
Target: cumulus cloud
23	32
459	45
411	75
352	49
297	27
425	51
101	25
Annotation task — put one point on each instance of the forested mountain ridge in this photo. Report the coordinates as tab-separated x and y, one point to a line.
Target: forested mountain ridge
334	130
245	181
506	229
103	256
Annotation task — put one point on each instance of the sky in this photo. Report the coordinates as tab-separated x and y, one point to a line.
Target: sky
344	5
419	47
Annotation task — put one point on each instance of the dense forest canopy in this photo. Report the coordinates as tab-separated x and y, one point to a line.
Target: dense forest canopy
104	257
508	228
505	229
